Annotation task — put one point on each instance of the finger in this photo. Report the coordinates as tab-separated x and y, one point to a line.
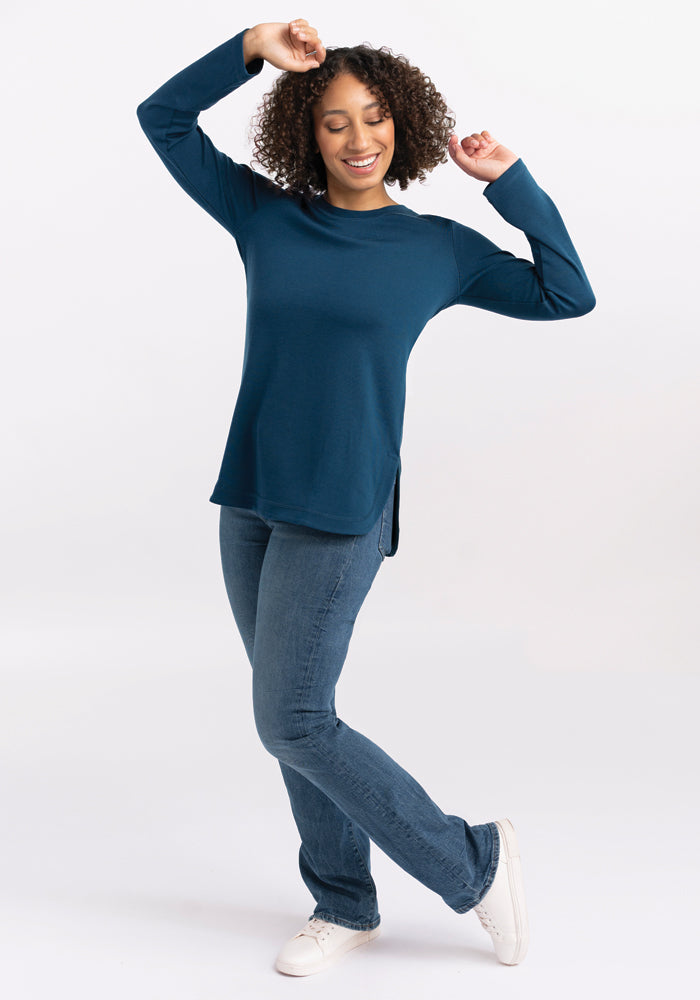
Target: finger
298	31
309	36
314	48
303	30
469	146
476	146
313	59
467	142
461	157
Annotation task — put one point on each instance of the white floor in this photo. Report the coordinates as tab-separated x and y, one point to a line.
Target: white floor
149	851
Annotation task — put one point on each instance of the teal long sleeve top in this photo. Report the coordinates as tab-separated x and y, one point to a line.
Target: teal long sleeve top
336	299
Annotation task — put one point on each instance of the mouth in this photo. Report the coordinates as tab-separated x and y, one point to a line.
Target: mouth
365	165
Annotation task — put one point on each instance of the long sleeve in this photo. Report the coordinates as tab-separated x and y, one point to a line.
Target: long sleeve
228	191
554	287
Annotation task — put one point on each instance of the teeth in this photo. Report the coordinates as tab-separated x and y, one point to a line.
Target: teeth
362	163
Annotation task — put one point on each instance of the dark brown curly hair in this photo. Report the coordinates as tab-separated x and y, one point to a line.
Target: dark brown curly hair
284	138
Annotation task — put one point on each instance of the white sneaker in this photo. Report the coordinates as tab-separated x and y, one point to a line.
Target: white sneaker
318	945
502	911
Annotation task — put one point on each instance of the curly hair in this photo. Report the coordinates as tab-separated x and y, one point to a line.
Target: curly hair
284	136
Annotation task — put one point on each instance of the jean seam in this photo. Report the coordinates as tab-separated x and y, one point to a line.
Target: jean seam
370	883
306	686
313	741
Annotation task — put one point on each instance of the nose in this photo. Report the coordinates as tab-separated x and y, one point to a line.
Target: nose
359	138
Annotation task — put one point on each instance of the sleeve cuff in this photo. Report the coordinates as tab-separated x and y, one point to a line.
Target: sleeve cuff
513	174
252	68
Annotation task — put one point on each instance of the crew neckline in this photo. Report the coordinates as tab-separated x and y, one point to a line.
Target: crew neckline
352	213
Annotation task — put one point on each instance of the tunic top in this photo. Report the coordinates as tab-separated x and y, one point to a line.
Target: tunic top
336	299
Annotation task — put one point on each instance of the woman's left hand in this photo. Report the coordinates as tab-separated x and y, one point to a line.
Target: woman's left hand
481	156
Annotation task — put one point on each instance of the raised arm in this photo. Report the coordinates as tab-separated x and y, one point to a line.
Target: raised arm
228	191
555	286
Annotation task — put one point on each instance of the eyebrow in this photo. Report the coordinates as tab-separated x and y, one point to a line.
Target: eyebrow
341	111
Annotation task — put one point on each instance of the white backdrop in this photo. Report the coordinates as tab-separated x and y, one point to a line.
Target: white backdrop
549	548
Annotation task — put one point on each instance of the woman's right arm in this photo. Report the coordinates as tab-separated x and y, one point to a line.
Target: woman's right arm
228	191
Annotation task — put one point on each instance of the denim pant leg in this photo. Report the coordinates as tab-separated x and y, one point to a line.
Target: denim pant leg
312	585
334	857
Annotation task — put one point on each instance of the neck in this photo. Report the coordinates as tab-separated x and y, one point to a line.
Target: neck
358	201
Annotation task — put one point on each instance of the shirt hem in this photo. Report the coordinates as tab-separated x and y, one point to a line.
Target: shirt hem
294	515
226	496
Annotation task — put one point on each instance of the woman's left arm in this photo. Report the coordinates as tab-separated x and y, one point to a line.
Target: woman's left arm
556	285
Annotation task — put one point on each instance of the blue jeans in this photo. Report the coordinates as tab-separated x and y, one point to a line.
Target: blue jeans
295	593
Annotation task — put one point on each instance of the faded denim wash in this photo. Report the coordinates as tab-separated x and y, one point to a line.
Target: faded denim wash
295	593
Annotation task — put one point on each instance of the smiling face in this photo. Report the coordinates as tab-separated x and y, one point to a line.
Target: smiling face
350	129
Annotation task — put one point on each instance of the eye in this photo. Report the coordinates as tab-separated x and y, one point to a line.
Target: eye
378	122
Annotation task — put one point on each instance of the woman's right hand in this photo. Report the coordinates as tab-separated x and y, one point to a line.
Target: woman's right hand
285	45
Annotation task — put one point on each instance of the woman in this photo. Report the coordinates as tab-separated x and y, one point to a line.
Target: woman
341	280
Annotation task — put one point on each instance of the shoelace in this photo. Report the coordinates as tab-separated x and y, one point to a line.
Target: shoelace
316	928
487	921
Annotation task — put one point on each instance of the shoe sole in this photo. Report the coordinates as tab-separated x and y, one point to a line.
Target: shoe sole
289	969
509	844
